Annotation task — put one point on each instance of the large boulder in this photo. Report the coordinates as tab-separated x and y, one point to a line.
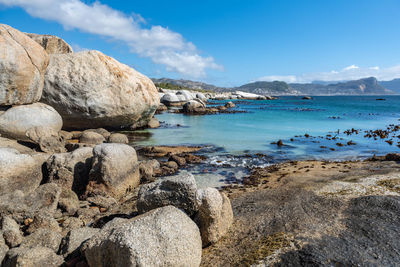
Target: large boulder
179	191
51	43
18	171
115	170
171	99
162	237
215	215
23	63
16	121
193	106
90	89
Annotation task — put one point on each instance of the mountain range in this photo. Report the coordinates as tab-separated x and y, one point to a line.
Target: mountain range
366	86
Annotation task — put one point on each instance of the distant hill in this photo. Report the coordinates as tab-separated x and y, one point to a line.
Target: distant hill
187	84
393	85
366	86
267	88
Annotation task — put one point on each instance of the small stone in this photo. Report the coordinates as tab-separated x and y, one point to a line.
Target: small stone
69	201
118	138
91	138
153	123
179	160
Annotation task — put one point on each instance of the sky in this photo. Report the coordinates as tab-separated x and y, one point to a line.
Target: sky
227	42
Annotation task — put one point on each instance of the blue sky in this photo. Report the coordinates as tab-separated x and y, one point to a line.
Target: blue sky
225	42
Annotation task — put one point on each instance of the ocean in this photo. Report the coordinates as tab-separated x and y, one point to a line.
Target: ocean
304	126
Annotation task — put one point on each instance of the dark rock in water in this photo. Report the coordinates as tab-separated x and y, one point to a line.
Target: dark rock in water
393	157
179	160
279	143
307	97
381	99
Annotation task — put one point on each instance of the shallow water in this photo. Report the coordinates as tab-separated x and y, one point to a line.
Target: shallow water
232	135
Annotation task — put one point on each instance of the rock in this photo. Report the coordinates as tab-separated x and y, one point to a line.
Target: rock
48	140
69	201
42	220
90	89
170	99
115	169
172	164
201	96
3	247
71	170
162	237
215	215
179	160
193	106
116	222
11	232
230	105
103	202
118	138
66	135
306	97
392	157
18	171
106	134
42	199
10	143
92	138
147	169
32	257
43	238
153	123
71	223
23	63
16	121
71	244
179	191
52	44
161	108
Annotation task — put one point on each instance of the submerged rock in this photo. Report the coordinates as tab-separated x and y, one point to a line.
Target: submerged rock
179	191
16	121
90	89
23	63
51	43
162	237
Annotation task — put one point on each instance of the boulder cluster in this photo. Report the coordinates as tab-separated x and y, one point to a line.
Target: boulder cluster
71	191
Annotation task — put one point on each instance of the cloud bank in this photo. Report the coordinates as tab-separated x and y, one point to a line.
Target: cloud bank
160	44
352	72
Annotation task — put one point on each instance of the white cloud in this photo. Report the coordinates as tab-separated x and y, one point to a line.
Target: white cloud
352	72
160	44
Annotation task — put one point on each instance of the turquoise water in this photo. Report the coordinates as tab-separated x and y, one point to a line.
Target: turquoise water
233	140
268	121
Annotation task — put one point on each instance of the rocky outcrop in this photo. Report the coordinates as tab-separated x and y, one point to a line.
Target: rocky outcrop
162	237
178	191
115	170
51	43
90	89
16	121
70	170
215	215
23	63
18	172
